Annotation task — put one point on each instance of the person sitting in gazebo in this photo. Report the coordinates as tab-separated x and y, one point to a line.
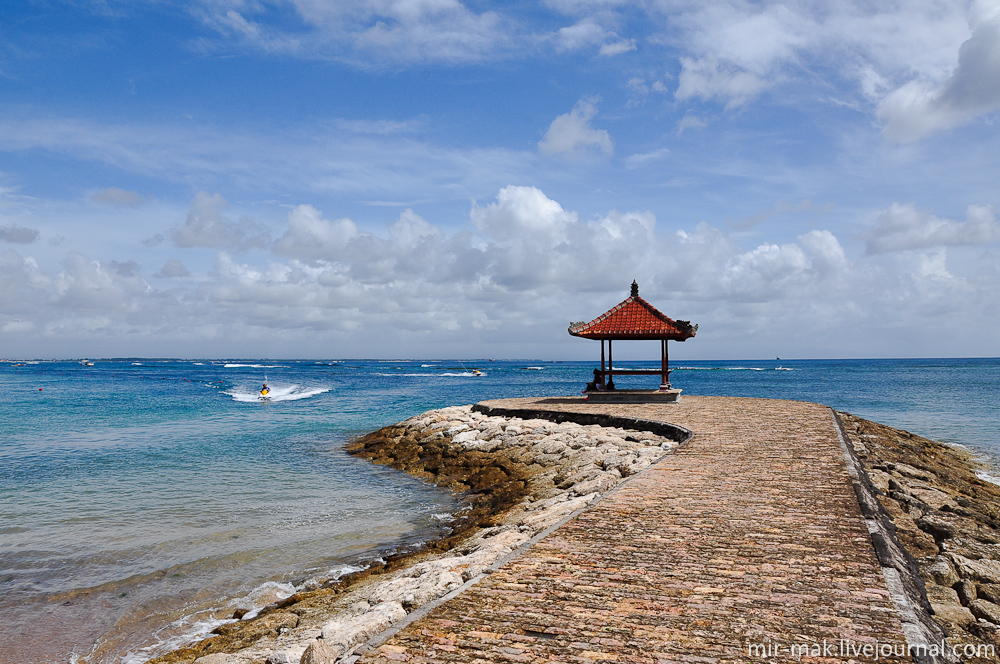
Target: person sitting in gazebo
597	385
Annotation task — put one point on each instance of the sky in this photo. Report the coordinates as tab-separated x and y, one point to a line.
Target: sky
462	179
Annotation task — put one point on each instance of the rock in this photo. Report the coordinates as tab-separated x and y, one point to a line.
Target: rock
977	570
988	591
940	595
427	582
917	542
215	658
466	437
359	607
987	631
971	548
939	571
934	498
240	634
916	473
980	608
939	526
880	479
349	633
288	656
322	652
603	482
966	592
946	615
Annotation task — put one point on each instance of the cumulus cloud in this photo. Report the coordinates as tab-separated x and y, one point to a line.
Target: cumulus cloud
312	238
923	106
206	226
572	135
118	197
928	67
523	268
903	227
18	234
90	285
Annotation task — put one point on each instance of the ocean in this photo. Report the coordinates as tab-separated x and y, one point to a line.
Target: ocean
142	501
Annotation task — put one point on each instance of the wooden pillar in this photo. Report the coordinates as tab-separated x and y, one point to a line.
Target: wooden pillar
611	367
602	359
664	376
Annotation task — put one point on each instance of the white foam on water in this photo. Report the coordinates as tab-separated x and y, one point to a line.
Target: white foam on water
263	595
189	629
724	369
282	393
409	374
987	476
253	366
338	572
434	375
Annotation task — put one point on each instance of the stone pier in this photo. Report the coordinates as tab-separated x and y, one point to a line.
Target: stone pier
747	544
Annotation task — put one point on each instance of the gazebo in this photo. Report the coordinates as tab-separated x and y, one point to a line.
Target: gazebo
633	319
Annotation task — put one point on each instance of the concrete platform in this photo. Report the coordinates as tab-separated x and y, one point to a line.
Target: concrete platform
634	396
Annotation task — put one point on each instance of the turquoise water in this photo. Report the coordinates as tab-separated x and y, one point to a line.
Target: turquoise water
142	501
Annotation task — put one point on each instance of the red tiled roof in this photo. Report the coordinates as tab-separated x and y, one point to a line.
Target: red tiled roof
634	319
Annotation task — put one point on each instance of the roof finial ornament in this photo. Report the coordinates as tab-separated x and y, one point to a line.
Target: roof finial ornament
635	289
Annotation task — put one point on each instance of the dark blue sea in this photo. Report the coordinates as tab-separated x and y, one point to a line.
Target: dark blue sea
142	501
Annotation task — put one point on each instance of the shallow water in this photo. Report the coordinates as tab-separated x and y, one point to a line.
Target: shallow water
142	501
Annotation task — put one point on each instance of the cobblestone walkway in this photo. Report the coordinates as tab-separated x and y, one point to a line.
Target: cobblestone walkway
745	545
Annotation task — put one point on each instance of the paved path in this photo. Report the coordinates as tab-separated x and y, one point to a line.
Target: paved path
748	534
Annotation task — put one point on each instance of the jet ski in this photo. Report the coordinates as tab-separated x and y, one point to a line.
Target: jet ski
265	393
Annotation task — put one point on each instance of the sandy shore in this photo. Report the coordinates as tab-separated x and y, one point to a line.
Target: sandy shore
522	477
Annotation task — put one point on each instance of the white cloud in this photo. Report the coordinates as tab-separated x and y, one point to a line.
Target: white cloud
364	32
205	226
312	238
708	78
923	106
587	32
118	197
572	135
639	160
618	47
690	121
368	160
518	273
904	227
523	212
106	288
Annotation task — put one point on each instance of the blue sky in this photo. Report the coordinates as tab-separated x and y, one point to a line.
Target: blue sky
432	178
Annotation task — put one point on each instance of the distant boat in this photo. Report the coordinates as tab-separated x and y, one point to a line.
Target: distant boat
86	363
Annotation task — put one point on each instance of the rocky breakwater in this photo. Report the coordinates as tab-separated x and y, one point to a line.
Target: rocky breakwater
948	519
519	477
